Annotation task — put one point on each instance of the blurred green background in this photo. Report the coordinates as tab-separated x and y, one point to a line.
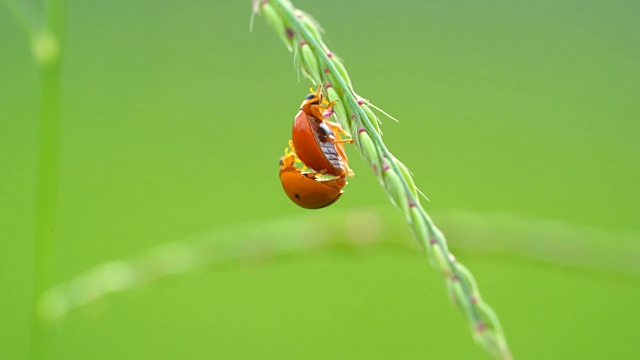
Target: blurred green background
175	116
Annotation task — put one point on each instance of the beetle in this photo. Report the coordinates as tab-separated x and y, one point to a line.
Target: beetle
306	189
317	141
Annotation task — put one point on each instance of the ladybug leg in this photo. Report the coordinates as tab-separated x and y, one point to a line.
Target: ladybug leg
330	105
318	110
297	160
290	150
350	173
336	127
318	92
325	105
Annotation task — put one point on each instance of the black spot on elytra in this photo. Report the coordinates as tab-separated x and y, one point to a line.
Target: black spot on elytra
297	196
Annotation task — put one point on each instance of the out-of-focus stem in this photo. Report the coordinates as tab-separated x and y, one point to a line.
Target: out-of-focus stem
48	163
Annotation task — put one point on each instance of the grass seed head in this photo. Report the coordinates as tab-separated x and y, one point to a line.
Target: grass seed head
395	189
277	23
310	62
338	108
342	71
323	67
372	117
367	148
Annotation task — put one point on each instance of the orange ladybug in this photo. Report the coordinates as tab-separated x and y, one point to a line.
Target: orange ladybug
308	190
317	141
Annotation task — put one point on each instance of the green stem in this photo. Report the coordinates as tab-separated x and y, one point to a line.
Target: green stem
353	102
47	192
398	183
48	169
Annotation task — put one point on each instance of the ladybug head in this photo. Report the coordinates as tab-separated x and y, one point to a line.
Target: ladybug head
312	99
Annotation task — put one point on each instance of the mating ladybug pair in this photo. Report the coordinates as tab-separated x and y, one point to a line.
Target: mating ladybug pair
317	144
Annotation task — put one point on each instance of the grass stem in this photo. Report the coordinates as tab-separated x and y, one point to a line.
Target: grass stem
302	34
47	55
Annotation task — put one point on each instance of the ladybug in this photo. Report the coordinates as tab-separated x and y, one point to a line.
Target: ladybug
316	140
308	190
